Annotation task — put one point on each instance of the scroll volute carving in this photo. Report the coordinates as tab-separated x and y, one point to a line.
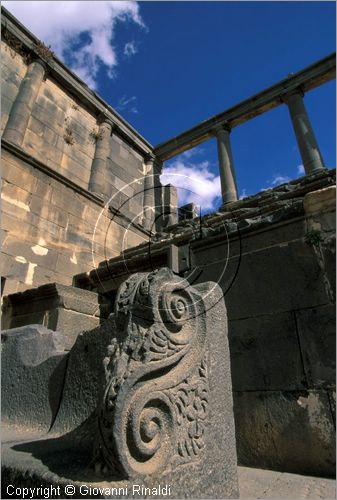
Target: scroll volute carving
154	411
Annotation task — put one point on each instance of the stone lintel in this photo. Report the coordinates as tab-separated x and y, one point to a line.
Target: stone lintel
309	78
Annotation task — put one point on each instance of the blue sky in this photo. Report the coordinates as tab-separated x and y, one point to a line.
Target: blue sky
166	66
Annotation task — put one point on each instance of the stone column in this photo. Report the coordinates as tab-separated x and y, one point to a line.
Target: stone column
310	153
149	202
97	182
226	166
169	205
22	107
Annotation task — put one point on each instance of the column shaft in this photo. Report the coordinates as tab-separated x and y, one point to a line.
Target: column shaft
149	202
22	107
169	205
226	166
97	182
310	153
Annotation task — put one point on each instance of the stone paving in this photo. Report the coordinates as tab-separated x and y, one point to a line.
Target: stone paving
258	483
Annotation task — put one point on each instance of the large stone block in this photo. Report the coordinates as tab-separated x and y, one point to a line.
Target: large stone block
48	211
72	323
320	201
57	307
13	268
317	336
75	170
43	189
265	353
32	372
66	199
9	90
120	172
23	250
262	286
76	154
15	172
291	431
48	113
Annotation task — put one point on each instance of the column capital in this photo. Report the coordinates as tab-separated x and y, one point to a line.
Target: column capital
149	158
287	95
221	127
103	119
36	58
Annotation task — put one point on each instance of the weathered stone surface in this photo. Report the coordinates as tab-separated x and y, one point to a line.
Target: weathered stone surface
257	483
260	349
73	323
317	336
57	307
165	377
84	381
282	247
162	373
320	200
332	400
32	372
37	213
282	429
265	271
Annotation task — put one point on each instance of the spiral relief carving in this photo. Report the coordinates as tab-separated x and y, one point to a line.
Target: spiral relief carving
154	409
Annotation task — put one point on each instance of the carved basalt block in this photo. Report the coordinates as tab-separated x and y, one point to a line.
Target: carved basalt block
58	307
154	420
166	417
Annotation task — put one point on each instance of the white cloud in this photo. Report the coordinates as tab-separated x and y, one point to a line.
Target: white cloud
243	194
195	183
79	32
276	181
186	155
127	104
300	170
279	179
130	49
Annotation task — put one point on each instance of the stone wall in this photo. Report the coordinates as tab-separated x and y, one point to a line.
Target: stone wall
281	313
273	255
50	231
54	224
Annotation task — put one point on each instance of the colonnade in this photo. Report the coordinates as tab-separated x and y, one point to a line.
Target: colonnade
28	91
310	153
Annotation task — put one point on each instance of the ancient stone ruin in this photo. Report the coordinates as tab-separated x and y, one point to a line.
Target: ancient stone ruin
144	397
147	351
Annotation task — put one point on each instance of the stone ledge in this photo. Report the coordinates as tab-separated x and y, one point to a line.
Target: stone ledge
58	307
321	200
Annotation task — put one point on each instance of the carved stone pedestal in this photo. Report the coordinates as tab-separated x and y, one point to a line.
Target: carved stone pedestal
163	425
